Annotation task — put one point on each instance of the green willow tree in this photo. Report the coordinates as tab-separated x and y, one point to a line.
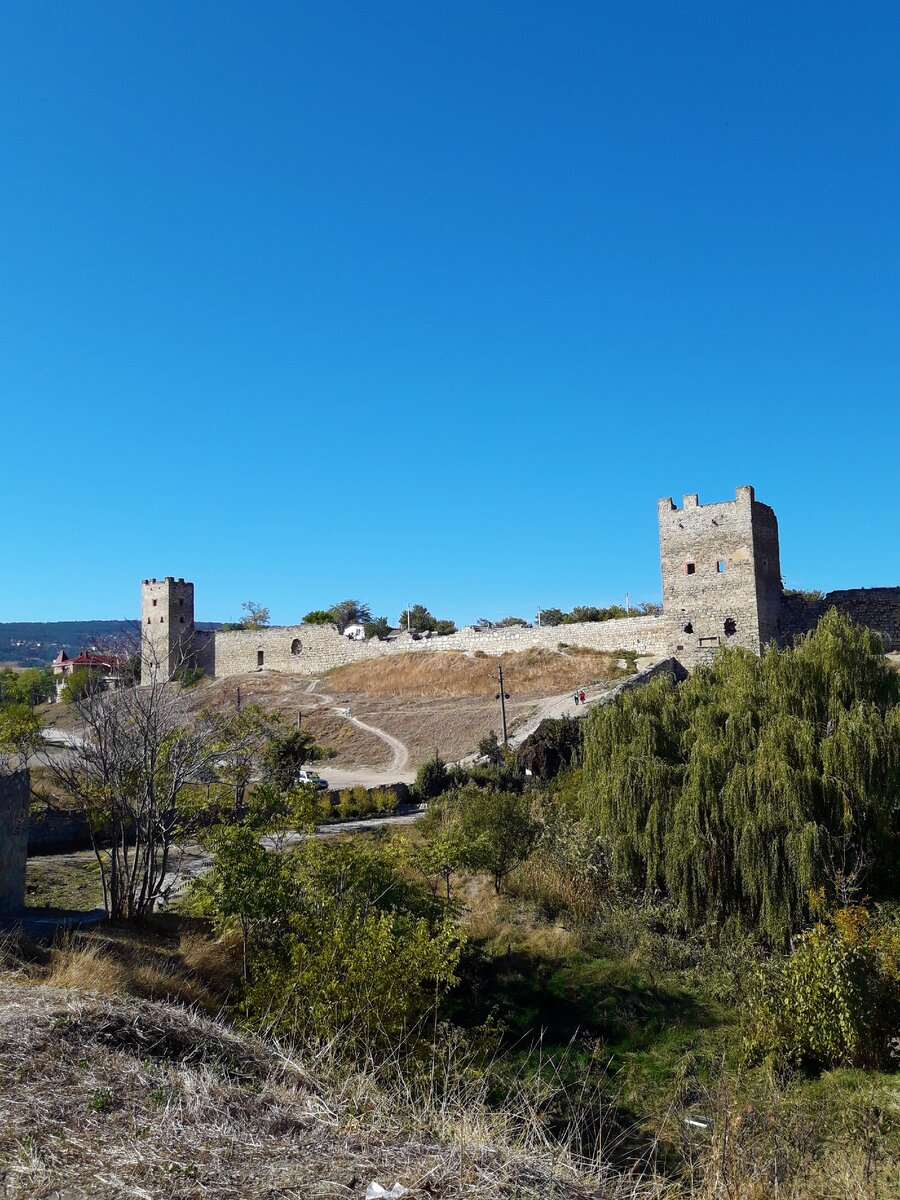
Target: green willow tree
756	781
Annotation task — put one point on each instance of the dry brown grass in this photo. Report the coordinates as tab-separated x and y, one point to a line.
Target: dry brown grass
452	727
288	695
169	958
530	674
104	1099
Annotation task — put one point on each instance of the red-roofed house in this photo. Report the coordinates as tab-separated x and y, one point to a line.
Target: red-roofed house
105	664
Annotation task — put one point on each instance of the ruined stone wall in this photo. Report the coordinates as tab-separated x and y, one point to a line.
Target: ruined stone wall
14	798
312	649
720	574
879	608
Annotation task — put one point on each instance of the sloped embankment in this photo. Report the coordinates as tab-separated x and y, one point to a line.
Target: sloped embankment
105	1098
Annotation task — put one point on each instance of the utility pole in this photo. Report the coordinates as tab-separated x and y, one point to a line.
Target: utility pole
539	618
627	605
238	698
502	697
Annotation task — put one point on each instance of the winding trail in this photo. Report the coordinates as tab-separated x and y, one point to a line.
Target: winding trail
344	777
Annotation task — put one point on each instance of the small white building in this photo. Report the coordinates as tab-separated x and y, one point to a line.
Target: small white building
356	633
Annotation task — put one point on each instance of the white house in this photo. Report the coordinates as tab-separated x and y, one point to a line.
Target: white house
356	633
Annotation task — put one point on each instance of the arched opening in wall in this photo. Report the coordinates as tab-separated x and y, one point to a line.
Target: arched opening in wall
730	626
260	658
689	628
296	648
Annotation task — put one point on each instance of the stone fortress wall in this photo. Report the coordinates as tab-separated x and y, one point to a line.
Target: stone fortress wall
721	575
311	649
15	793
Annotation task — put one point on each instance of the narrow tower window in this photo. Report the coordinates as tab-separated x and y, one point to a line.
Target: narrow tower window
720	566
260	658
690	568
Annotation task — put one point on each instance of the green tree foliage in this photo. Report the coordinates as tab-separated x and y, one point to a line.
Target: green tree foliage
490	750
431	779
337	941
496	829
31	686
757	780
20	734
810	594
590	613
835	1000
80	684
319	616
349	612
420	620
378	627
284	754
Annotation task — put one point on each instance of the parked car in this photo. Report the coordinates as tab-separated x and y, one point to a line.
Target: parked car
312	778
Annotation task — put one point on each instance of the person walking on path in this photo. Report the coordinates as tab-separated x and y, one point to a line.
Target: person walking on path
575	698
581	695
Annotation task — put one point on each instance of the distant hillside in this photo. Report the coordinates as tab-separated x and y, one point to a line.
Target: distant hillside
36	643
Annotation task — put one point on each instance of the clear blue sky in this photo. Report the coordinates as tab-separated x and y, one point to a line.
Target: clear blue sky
431	302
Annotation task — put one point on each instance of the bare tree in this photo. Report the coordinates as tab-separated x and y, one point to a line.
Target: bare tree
135	752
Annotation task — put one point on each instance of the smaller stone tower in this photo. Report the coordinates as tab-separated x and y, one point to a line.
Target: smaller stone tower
721	574
167	626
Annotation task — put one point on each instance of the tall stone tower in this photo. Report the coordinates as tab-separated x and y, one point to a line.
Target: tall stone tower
167	626
721	574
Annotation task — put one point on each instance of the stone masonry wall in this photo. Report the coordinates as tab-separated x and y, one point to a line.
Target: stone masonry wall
312	649
879	608
717	561
167	625
14	797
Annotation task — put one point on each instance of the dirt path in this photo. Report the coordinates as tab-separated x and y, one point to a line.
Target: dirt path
564	705
370	777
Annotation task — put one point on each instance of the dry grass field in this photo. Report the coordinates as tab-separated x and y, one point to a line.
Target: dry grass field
289	695
530	674
442	700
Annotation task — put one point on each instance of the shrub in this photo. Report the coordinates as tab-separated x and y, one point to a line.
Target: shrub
497	831
378	628
346	805
554	746
318	616
187	675
431	779
489	748
384	800
835	1000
